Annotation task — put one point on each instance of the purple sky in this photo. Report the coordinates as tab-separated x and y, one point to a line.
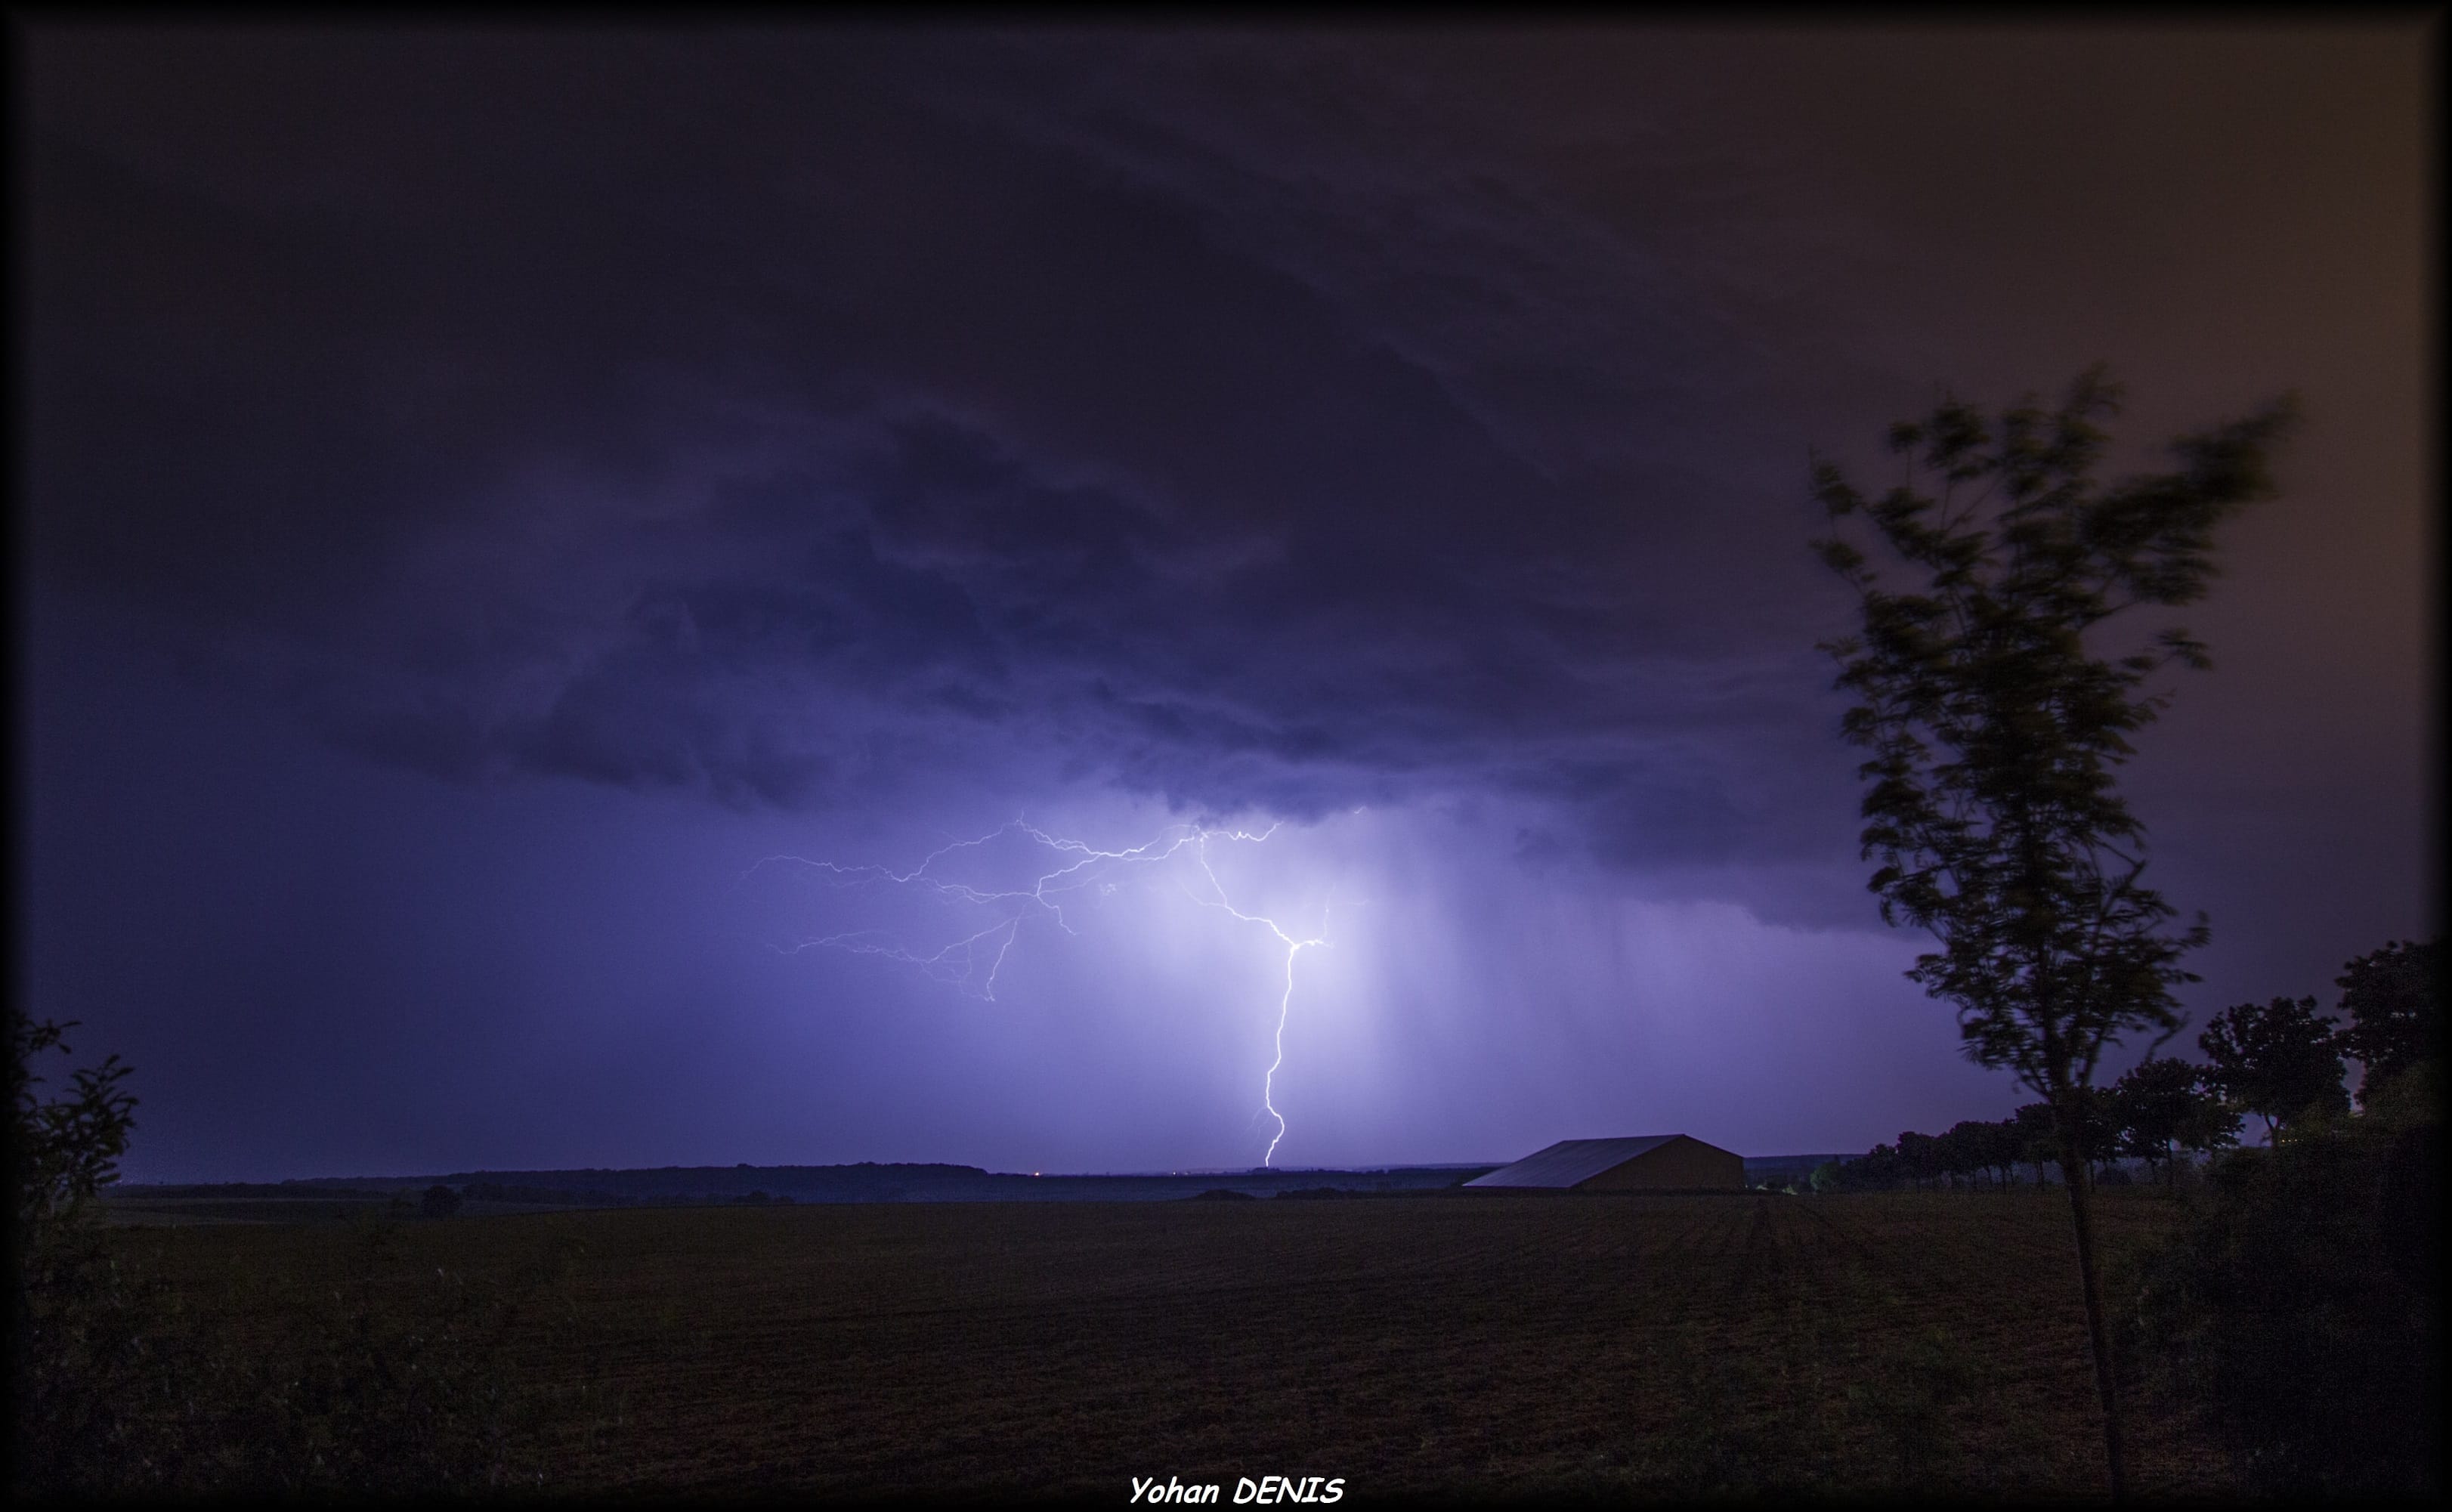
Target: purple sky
487	490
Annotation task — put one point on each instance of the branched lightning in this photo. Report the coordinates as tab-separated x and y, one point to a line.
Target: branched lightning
1049	894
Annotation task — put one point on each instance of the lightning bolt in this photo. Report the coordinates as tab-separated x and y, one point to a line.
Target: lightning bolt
1083	867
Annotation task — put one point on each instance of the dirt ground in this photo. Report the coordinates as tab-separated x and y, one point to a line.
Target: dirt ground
1475	1345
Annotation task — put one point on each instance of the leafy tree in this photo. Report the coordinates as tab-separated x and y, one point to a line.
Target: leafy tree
2393	999
1877	1169
1919	1156
439	1202
2153	1102
1975	1144
1961	1154
2277	1060
2001	1150
66	1148
1994	728
2212	1122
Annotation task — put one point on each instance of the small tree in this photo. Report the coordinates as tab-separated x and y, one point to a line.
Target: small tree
439	1202
2277	1060
2393	999
1993	731
66	1148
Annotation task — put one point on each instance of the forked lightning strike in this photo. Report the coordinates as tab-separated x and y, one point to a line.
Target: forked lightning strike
957	962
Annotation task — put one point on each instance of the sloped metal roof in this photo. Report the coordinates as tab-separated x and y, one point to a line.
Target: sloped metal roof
1569	1161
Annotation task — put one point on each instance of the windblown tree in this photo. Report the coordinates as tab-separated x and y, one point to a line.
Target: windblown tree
1994	716
2278	1059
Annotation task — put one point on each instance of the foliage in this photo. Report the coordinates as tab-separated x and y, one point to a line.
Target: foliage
1919	1156
2277	1060
2155	1102
2211	1125
75	1337
1877	1169
2393	999
1975	1144
1958	1154
2039	1137
1993	731
439	1202
2300	1302
66	1148
2093	1118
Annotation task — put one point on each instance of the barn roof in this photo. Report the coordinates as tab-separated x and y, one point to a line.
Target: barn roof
1572	1160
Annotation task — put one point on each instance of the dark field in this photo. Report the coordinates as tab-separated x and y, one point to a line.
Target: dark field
1672	1345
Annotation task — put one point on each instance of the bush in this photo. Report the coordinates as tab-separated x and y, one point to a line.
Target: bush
76	1339
2297	1307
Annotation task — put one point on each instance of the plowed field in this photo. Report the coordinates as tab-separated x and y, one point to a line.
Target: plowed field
1499	1345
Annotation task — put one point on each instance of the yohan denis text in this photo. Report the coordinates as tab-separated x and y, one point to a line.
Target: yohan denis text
1270	1488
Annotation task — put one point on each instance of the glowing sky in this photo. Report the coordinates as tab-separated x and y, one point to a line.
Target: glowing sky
487	489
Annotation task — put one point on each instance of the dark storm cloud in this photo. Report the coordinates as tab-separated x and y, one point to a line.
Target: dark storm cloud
775	417
486	489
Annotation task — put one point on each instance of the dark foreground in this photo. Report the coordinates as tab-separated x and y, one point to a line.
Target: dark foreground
1665	1344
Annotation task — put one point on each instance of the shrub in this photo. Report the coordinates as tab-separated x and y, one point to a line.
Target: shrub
2297	1307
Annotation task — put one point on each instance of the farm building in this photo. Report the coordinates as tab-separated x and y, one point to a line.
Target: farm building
1644	1162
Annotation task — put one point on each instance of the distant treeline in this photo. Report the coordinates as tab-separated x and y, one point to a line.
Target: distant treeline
562	1196
868	1182
601	1186
2280	1061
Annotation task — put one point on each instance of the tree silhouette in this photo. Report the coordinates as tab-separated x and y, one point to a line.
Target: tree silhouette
2039	1140
72	1332
2098	1118
1993	731
1971	1146
2212	1122
2154	1102
2393	999
2277	1060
